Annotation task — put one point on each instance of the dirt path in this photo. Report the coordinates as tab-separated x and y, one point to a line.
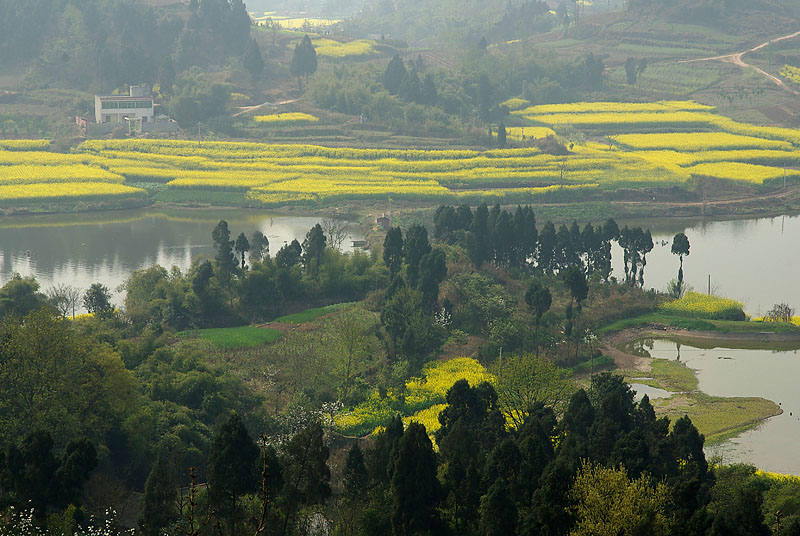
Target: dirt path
736	59
244	109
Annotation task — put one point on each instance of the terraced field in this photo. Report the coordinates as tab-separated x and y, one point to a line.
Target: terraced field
659	144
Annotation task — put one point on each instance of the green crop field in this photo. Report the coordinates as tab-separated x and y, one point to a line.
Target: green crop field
232	338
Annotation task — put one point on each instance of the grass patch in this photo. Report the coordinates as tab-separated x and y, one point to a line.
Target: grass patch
673	376
309	314
232	338
715	417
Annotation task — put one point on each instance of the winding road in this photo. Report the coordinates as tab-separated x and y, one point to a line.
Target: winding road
736	59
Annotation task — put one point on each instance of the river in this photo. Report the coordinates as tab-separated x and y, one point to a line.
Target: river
81	249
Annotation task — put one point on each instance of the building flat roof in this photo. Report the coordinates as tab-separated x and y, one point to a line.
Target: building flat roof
122	97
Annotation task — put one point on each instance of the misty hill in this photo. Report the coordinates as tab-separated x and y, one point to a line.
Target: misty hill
103	44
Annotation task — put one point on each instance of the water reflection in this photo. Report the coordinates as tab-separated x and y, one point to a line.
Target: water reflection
82	249
752	260
738	372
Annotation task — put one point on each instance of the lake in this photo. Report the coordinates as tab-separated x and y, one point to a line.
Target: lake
754	261
769	374
81	249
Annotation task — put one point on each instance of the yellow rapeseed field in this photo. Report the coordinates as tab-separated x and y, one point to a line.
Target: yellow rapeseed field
615	107
424	397
791	72
65	191
697	141
741	171
351	49
288	118
662	119
705	306
24	145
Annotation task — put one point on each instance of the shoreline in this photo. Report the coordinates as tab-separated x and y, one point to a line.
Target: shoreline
717	418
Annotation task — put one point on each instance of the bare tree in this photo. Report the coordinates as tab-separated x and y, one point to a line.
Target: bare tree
336	231
780	312
64	298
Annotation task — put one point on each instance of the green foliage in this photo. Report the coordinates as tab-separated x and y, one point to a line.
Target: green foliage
304	58
97	300
526	380
197	100
608	503
412	332
20	296
57	380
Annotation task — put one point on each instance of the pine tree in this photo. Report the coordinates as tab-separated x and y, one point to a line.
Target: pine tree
159	503
222	241
415	247
502	135
313	247
393	251
253	62
415	488
232	467
395	75
242	246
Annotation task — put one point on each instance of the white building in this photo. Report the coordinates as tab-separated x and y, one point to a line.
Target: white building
136	107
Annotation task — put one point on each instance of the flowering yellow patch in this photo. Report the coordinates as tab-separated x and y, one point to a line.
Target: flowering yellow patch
289	118
705	306
741	171
65	191
351	49
32	174
428	417
615	107
791	72
439	376
663	119
697	141
515	103
25	145
424	397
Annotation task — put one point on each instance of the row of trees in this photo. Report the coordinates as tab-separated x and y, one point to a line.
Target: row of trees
512	240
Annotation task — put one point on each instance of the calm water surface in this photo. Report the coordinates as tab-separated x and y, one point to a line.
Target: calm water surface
755	261
738	372
106	247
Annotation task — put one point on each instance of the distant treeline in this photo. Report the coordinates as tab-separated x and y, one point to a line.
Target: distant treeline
104	44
